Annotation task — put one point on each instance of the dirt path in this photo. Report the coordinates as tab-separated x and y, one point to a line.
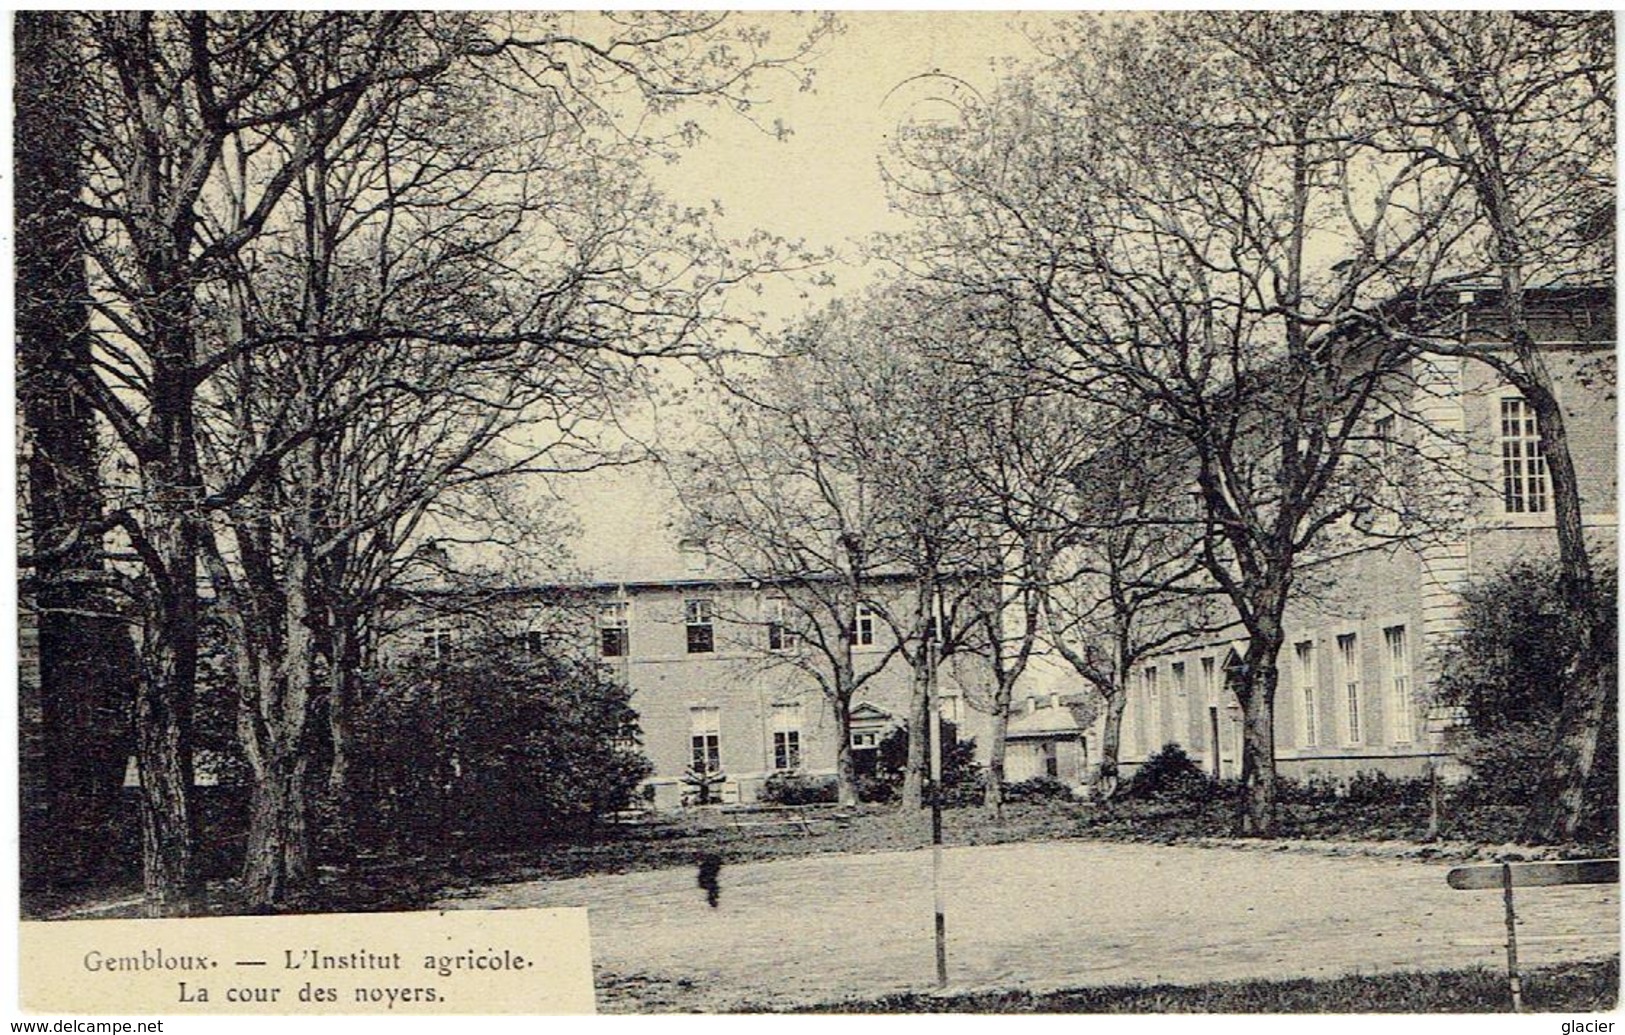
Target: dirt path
1043	916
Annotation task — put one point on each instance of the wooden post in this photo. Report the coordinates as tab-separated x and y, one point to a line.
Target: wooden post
1514	982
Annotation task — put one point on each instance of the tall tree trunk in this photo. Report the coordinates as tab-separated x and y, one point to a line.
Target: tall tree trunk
919	721
163	714
1560	800
1111	742
86	657
1257	695
278	857
919	718
846	783
343	673
1561	796
994	799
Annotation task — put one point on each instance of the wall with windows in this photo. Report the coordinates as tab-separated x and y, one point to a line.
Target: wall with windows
1355	669
1515	517
719	679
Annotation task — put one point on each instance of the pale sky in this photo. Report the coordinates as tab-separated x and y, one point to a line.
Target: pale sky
823	184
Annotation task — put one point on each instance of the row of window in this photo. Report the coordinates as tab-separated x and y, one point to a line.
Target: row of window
705	735
705	738
1394	679
699	619
700	622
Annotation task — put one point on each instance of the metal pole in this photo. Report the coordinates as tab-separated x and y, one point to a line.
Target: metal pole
935	714
1514	982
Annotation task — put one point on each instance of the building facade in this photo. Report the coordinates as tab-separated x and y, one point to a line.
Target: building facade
724	680
1358	666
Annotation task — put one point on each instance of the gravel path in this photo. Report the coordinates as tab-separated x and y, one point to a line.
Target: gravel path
1044	916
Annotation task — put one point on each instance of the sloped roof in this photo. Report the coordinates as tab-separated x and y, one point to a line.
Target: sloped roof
1070	716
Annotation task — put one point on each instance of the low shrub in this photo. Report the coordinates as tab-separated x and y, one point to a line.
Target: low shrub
1504	764
1170	773
876	790
1376	788
963	781
793	788
493	745
1037	788
968	788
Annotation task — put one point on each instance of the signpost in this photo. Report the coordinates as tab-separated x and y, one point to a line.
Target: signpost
1506	876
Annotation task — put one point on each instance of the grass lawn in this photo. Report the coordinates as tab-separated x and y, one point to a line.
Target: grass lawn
1570	988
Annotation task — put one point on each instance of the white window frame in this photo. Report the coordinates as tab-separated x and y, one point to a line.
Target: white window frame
786	736
1525	482
1179	676
779	633
863	626
1152	736
1349	689
705	738
699	613
1382	429
1396	652
613	615
1308	693
439	640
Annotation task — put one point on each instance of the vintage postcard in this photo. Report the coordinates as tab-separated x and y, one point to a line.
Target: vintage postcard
710	512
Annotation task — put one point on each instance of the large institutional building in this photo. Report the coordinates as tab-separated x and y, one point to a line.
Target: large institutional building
725	685
721	683
1357	671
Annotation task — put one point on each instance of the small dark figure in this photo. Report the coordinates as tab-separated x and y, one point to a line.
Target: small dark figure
710	867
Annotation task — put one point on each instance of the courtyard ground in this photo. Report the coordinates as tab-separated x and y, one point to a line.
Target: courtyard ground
1042	916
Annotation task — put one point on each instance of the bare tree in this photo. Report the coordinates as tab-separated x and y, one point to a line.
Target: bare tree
1195	214
408	224
1127	581
772	490
1521	105
1021	445
198	129
905	404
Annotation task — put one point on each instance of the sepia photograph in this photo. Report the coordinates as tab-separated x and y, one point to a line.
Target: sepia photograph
858	512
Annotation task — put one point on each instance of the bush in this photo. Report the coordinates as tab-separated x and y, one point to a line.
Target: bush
496	745
1037	788
1170	773
962	780
792	788
1504	763
968	787
1508	668
1374	788
877	790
